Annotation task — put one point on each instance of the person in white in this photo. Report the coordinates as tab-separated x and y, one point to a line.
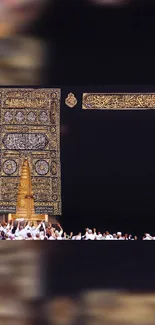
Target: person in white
86	233
57	235
36	230
147	237
9	228
65	237
36	237
114	237
42	237
78	237
52	237
3	228
19	238
90	235
119	236
21	231
70	236
99	236
29	236
104	236
109	237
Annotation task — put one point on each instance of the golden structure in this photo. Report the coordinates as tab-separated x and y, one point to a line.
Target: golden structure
25	200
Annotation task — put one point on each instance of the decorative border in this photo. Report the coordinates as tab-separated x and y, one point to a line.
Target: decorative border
118	101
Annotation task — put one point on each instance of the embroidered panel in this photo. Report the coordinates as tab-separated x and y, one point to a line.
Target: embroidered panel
118	101
30	127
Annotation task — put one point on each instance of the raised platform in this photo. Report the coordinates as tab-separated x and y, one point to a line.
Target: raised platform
34	217
51	219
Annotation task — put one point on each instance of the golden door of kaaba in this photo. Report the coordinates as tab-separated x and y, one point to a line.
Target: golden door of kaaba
30	128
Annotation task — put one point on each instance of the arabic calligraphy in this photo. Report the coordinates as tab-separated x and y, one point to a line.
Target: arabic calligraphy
27	141
118	101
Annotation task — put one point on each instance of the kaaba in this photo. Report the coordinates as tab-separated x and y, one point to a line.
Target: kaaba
30	128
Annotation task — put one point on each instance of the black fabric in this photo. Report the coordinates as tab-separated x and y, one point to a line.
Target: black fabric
107	159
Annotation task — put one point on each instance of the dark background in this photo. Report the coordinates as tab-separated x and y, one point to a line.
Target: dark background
108	167
108	161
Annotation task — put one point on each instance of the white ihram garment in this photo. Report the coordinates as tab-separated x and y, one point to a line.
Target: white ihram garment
90	237
99	237
51	238
78	237
109	237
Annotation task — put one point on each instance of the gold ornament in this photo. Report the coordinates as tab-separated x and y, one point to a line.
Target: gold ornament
118	101
25	199
71	100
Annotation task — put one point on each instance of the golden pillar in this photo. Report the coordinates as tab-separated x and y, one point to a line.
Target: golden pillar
25	200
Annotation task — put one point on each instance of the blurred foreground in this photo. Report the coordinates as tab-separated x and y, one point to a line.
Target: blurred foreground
55	41
23	299
103	307
19	283
22	55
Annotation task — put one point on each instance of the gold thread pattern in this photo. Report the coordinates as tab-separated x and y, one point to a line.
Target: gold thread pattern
30	128
118	101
